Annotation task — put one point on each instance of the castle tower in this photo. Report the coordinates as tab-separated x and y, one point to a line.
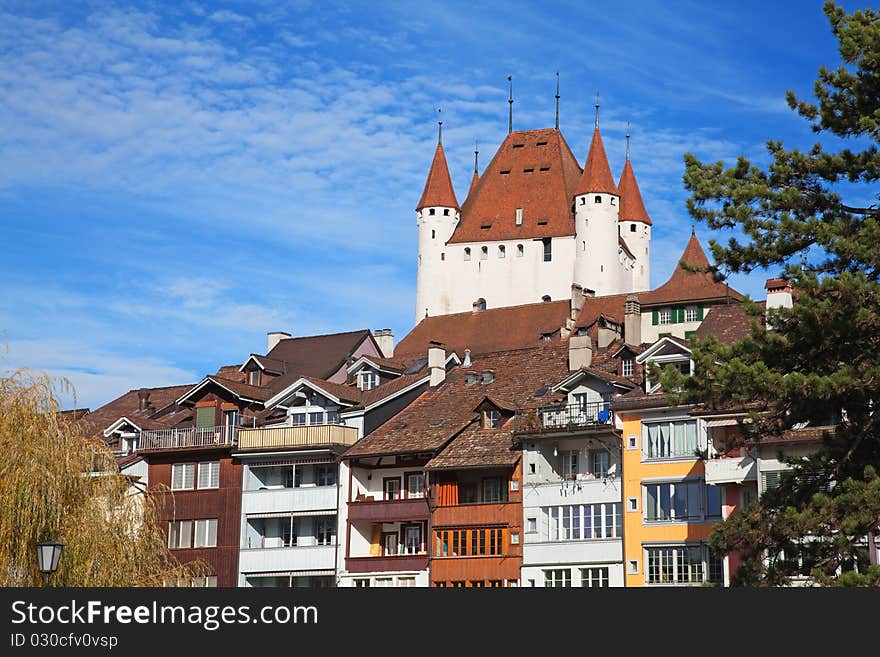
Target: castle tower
437	215
597	265
635	225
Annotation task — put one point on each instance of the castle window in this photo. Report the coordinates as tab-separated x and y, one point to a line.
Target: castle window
632	228
484	252
480	304
501	251
432	211
433	234
597	199
446	212
443	256
467	253
612	200
548	249
546	298
519	251
519	215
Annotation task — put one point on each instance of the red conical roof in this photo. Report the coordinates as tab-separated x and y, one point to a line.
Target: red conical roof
632	208
474	182
597	174
438	188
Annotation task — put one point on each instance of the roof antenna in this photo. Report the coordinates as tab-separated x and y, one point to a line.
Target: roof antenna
557	100
627	141
597	110
440	126
510	101
476	155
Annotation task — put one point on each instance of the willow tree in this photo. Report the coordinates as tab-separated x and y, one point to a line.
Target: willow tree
812	215
58	485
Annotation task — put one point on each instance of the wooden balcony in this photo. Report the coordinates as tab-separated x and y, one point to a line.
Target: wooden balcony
318	435
388	511
462	515
406	562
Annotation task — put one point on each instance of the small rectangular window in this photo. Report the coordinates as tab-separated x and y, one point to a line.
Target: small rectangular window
548	249
183	476
627	367
519	216
209	474
206	533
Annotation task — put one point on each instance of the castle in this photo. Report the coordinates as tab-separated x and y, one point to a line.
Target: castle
532	225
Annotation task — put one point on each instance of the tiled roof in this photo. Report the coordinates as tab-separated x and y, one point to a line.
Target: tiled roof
387	389
477	448
484	331
777	284
341	392
611	306
533	170
243	390
93	424
474	180
232	373
438	188
684	285
440	413
597	174
632	208
727	322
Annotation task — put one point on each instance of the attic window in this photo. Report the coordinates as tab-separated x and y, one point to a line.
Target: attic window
491	418
488	377
254	378
436	423
519	216
541	143
543	222
581	331
544	169
519	145
485	226
504	172
546	337
528	169
540	392
471	378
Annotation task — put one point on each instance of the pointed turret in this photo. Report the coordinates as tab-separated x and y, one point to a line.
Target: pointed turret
632	208
596	177
438	188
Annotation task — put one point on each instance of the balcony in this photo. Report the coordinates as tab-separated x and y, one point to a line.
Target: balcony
190	437
407	562
564	418
316	557
317	435
735	470
305	498
388	511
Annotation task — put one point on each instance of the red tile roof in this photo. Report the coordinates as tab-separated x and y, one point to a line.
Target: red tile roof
485	331
477	448
611	306
441	413
632	208
727	322
474	180
438	188
596	176
684	285
93	424
534	170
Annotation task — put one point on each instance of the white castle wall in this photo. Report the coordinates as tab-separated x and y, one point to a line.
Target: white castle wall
639	242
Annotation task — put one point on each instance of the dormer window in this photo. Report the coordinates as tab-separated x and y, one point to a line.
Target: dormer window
491	418
472	378
627	367
368	379
488	377
254	377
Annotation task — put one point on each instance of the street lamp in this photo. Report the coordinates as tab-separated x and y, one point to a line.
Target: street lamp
48	555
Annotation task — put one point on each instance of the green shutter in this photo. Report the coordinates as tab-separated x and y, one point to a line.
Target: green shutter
699	313
655	319
681	314
205	417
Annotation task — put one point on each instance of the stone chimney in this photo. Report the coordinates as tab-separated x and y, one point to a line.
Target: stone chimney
632	320
467	358
385	339
143	399
436	364
779	295
274	337
580	352
577	300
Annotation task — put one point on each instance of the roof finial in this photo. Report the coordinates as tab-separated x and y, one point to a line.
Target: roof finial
597	110
557	100
440	126
476	155
693	233
627	141
510	101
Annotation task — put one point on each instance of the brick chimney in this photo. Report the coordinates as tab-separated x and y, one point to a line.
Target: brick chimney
385	339
632	320
779	295
437	364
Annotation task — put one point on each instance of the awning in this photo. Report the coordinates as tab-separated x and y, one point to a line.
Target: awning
292	461
293	573
289	514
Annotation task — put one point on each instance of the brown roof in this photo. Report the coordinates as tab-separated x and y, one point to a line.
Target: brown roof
477	448
777	284
439	414
632	208
341	392
728	323
243	390
93	424
534	170
597	174
611	306
684	285
438	188
387	389
484	331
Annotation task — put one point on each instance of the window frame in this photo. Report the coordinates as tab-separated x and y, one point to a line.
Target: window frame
213	478
192	477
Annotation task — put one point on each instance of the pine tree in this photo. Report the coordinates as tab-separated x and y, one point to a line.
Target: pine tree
813	215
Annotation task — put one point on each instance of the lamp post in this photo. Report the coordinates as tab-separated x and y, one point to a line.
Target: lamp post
48	556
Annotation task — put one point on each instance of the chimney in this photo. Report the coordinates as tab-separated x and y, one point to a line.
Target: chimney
632	320
467	358
385	339
577	300
273	338
436	364
580	352
143	399
779	295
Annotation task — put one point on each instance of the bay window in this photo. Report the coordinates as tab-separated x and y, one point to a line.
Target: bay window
578	522
680	501
682	564
557	578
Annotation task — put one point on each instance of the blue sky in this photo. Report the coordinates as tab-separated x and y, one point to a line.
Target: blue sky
177	179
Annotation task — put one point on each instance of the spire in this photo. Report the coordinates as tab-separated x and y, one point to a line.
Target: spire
510	101
476	156
693	252
597	110
597	174
632	208
557	100
438	188
440	126
476	177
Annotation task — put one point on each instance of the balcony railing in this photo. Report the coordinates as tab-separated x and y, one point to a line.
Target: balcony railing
316	435
191	437
563	417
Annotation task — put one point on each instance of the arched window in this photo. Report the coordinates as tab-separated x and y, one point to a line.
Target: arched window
519	250
484	252
502	252
480	304
467	253
597	199
546	298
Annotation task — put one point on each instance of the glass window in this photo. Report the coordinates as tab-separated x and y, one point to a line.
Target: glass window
392	489
671	440
557	578
681	501
316	418
415	484
601	462
209	474
627	367
582	521
206	533
326	475
665	316
548	249
183	476
594	577
326	530
414	539
180	534
690	314
569	458
682	564
298	419
492	488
